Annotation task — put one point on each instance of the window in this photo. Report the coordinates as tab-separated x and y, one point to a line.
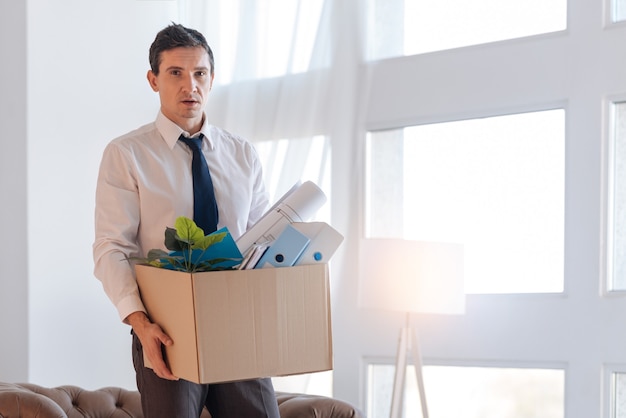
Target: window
617	257
566	58
619	393
614	379
496	185
472	392
408	27
618	10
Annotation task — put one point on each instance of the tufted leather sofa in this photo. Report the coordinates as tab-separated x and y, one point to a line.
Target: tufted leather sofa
33	401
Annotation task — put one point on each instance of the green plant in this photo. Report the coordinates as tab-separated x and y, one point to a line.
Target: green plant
189	249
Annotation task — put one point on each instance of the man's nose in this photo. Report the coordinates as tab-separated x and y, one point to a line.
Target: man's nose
190	85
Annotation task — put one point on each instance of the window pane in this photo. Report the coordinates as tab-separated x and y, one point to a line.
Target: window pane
618	10
476	392
618	276
495	185
320	383
619	393
408	27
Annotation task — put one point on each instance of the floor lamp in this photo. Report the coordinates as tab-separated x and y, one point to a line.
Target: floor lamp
411	276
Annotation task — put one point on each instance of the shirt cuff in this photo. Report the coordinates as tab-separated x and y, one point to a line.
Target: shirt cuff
128	305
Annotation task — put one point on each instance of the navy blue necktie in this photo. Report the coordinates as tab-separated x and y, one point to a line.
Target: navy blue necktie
204	204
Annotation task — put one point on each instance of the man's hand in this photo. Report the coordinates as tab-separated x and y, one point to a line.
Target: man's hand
152	337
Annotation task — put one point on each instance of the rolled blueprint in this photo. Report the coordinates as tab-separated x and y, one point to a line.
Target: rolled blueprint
299	204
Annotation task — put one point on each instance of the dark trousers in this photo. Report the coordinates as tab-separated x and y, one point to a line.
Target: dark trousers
184	399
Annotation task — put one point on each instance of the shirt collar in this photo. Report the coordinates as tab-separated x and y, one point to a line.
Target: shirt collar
171	132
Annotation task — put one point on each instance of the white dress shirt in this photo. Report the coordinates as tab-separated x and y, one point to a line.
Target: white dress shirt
145	183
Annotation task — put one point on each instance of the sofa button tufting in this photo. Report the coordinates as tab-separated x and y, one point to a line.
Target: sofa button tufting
55	402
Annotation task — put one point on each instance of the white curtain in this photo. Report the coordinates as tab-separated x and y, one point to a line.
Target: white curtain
287	78
272	80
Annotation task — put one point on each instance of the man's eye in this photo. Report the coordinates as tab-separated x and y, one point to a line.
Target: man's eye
201	74
175	72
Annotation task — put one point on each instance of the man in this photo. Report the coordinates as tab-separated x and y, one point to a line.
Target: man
145	183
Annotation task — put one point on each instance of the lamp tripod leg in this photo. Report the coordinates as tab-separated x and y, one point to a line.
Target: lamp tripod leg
398	382
407	341
417	361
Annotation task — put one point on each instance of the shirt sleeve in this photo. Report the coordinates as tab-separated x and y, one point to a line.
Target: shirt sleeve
116	229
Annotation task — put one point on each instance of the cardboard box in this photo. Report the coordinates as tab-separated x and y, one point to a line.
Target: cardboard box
241	324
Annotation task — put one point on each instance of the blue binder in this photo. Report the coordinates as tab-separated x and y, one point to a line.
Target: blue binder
285	250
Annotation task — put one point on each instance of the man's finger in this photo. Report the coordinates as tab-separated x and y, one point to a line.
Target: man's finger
159	366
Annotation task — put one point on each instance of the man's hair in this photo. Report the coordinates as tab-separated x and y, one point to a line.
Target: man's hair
176	36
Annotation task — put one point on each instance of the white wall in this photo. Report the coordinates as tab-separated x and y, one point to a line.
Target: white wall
13	167
87	62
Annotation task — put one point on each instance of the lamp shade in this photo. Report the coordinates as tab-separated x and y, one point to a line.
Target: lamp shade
411	276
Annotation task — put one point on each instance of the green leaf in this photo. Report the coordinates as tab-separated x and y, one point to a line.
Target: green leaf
186	238
210	265
206	242
153	259
156	254
172	241
187	230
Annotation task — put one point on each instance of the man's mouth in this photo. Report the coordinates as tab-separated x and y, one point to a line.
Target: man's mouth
189	102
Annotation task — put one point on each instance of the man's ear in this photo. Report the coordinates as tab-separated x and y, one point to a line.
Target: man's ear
152	80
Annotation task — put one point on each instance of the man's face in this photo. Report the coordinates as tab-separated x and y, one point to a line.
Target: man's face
183	84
